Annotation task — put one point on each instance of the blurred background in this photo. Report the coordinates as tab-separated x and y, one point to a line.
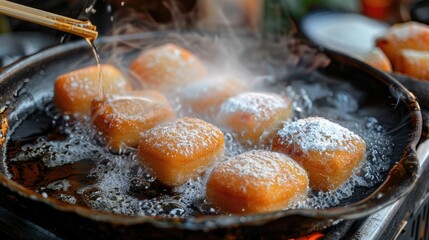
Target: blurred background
19	38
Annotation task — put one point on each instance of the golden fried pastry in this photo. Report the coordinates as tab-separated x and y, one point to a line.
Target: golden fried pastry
328	151
167	67
123	119
254	117
378	59
204	97
181	150
413	63
256	181
410	35
74	91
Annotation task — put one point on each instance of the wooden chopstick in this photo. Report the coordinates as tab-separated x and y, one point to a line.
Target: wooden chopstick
81	28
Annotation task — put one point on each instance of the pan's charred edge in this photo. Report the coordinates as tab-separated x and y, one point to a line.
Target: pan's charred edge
400	180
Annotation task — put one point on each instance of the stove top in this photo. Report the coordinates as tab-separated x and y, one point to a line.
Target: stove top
406	218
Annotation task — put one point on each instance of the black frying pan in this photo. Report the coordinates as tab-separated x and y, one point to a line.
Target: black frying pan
28	82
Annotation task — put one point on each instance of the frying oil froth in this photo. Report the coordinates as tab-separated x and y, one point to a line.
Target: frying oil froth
121	185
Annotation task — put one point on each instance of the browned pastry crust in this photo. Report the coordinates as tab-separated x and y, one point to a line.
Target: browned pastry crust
256	181
181	150
328	151
167	67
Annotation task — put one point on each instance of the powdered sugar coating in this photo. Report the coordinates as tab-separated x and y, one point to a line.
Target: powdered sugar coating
137	112
262	167
261	105
212	87
318	134
201	88
78	85
168	65
183	137
141	105
85	83
172	53
203	98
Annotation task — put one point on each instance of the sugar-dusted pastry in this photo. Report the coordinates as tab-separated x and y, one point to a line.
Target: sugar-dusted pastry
204	97
167	67
256	181
409	35
74	91
254	117
124	119
328	151
181	150
378	59
413	63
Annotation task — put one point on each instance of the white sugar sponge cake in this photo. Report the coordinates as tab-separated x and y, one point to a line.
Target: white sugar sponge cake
179	151
256	181
123	119
328	151
254	117
409	35
74	91
413	63
167	67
